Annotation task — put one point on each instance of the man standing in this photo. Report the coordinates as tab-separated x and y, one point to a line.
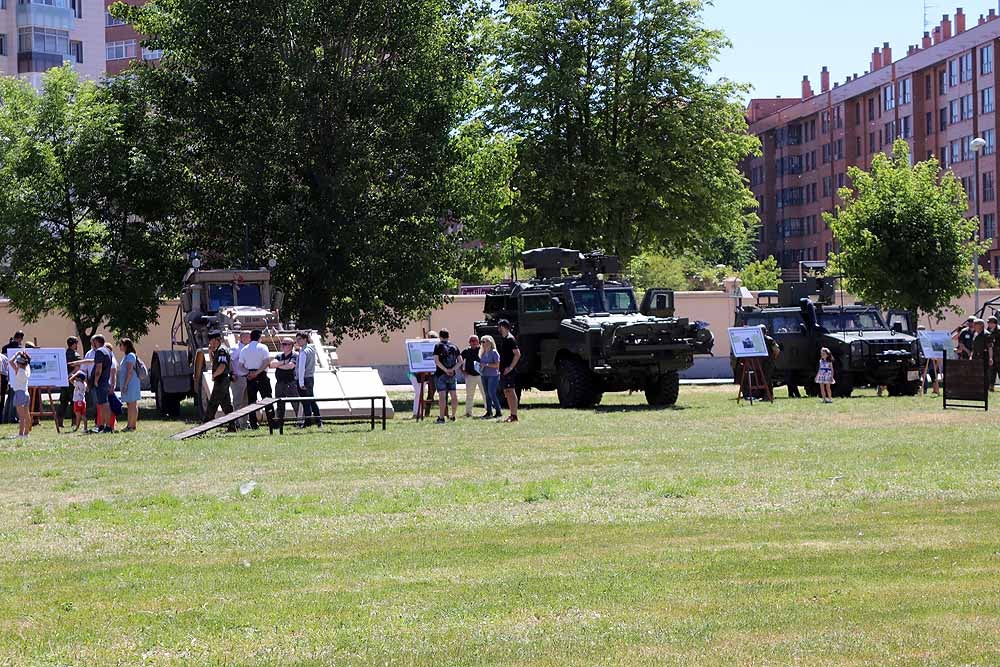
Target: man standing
66	393
305	369
447	361
222	368
100	381
994	333
510	356
470	369
285	385
964	335
239	383
982	343
256	359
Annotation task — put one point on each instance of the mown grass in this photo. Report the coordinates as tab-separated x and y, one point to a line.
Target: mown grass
867	532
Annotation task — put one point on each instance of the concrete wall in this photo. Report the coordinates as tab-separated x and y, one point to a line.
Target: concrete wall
389	357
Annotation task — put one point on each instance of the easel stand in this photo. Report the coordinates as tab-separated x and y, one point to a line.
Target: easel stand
427	396
35	399
752	379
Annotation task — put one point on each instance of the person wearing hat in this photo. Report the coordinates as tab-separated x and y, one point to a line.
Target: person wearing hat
286	383
993	331
963	335
222	371
982	343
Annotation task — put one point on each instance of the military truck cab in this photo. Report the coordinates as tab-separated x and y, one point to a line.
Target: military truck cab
582	332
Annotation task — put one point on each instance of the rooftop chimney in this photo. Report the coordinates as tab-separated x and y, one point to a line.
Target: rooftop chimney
945	27
911	49
959	21
926	42
937	34
824	80
992	15
886	55
876	59
807	90
982	19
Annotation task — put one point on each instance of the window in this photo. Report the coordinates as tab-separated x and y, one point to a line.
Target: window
990	137
953	73
871	142
827	186
841	180
77	6
968	109
986	59
43	40
943	125
826	153
990	232
838	118
857	146
110	20
967	148
3	43
905	91
930	122
120	50
587	301
838	152
220	296
955	155
76	51
871	108
965	62
955	115
888	98
248	295
968	184
824	121
857	113
889	133
620	301
148	54
989	194
62	4
942	82
986	100
928	87
537	303
905	131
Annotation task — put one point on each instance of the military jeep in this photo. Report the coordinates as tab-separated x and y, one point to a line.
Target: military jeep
582	333
869	347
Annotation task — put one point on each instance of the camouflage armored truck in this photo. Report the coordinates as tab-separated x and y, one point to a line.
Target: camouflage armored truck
869	348
582	333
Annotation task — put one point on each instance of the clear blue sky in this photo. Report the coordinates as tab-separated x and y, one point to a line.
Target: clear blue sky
776	42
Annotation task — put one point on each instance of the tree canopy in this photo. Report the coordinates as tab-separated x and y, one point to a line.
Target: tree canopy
82	230
623	144
322	133
904	239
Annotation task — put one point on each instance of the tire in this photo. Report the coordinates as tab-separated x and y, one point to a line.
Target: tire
812	389
576	385
904	389
662	391
167	404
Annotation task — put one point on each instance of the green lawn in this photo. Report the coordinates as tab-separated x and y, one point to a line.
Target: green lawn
866	532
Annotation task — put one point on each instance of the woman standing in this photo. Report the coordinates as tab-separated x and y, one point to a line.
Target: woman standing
128	382
489	364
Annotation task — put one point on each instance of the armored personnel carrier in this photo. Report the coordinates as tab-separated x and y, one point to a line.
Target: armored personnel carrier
869	347
234	300
582	332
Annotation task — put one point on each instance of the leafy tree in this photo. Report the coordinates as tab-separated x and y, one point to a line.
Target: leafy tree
623	143
904	239
764	274
685	273
323	133
82	233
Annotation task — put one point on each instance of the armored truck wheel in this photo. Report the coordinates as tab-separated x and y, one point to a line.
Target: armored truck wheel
167	405
904	389
812	389
844	386
663	390
577	386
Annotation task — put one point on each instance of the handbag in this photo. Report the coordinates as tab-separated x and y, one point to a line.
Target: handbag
115	404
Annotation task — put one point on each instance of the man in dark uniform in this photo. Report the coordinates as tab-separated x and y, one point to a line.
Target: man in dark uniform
963	335
994	332
982	342
66	393
222	371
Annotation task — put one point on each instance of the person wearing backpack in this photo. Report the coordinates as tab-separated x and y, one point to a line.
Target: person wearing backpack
447	358
128	382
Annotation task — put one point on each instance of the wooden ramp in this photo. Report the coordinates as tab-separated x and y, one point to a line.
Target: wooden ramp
225	420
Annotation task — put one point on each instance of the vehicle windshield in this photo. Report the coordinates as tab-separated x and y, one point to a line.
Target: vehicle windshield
862	320
248	295
620	300
219	296
587	301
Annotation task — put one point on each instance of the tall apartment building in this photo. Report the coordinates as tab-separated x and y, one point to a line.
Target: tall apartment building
122	42
37	35
938	98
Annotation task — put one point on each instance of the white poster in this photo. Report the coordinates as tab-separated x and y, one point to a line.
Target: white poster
48	367
420	355
747	342
936	344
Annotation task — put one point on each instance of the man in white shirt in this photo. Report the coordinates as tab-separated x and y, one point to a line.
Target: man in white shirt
256	358
239	386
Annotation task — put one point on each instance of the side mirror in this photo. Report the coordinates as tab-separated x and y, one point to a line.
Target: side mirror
277	300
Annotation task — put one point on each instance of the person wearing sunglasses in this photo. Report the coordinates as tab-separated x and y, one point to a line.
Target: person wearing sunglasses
286	384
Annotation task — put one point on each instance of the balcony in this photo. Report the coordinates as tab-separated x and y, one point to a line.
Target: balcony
55	14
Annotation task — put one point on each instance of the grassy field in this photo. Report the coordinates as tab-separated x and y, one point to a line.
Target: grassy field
866	532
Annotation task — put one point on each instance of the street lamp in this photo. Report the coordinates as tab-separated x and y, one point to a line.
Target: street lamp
977	147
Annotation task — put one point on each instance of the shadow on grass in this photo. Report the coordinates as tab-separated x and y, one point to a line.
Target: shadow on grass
640	408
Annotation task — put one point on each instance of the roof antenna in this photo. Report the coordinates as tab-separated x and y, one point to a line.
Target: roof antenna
928	24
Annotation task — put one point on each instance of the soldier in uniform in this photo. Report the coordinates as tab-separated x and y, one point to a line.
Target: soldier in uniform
222	369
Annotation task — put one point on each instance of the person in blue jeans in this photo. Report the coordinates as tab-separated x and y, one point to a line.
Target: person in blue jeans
489	369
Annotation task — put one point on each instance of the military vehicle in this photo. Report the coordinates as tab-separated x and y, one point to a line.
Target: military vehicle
582	333
234	300
869	348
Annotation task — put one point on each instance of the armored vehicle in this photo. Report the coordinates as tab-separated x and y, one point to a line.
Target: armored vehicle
582	332
869	347
234	300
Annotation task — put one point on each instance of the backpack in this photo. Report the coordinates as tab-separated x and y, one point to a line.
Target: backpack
449	358
141	371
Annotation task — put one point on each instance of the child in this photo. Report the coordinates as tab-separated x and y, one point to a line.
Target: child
824	378
79	381
20	369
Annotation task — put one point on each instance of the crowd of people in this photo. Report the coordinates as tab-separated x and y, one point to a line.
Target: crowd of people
488	367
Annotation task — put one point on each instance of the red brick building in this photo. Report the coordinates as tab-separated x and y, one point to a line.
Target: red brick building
939	97
122	43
